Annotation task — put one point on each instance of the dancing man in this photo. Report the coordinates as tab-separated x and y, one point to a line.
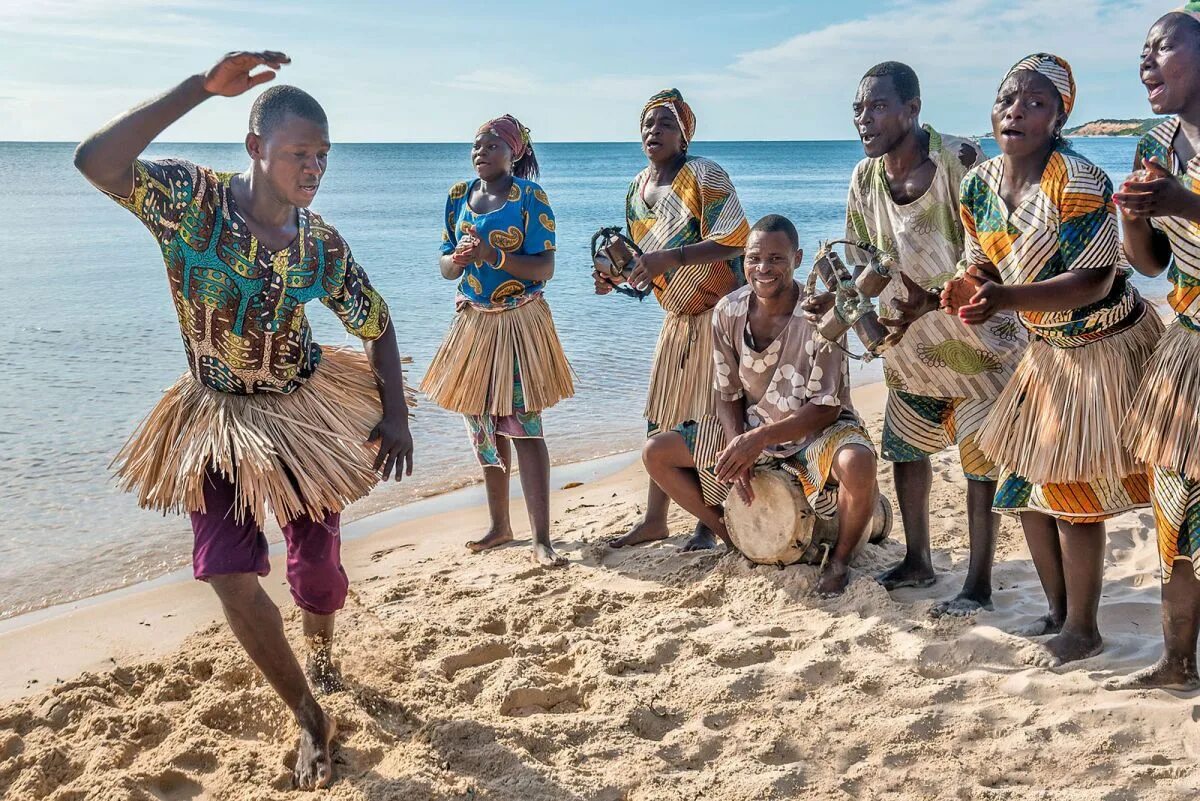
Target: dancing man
264	416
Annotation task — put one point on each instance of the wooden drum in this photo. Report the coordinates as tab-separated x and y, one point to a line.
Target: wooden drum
780	528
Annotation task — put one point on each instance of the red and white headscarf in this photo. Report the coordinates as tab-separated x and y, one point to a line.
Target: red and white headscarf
511	132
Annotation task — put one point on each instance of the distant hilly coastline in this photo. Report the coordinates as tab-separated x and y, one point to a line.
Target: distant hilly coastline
1133	127
1114	127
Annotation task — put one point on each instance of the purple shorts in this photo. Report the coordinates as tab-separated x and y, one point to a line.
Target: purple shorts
223	546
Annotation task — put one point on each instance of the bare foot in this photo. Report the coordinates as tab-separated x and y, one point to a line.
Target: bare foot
545	555
1046	624
702	539
1067	646
906	575
323	674
834	578
1166	674
643	532
314	757
493	539
961	605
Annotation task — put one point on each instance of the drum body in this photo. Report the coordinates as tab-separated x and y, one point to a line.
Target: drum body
780	528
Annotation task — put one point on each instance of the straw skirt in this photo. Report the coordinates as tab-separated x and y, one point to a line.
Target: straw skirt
1055	430
681	379
472	372
1163	426
300	453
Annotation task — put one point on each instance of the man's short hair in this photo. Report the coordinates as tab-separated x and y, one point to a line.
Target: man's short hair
273	105
777	223
903	78
1185	20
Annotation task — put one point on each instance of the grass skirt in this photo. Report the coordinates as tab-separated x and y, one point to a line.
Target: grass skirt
472	372
681	380
300	453
1059	418
1163	426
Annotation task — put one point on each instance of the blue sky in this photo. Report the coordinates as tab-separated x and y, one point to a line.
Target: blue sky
431	72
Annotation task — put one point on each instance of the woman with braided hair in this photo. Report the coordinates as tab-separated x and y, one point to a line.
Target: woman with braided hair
683	213
501	363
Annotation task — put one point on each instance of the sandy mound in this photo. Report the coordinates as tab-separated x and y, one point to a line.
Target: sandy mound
646	675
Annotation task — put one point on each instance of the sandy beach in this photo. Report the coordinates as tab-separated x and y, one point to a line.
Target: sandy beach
638	675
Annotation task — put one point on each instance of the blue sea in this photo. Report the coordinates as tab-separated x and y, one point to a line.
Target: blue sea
88	337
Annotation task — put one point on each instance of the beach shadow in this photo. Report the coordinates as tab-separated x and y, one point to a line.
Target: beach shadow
473	749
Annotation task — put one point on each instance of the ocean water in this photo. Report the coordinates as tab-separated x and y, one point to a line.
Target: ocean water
88	337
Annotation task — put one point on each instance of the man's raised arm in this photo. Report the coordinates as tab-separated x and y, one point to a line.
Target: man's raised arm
106	157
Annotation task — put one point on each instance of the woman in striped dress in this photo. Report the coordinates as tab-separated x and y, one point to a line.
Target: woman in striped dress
1160	210
1042	241
684	214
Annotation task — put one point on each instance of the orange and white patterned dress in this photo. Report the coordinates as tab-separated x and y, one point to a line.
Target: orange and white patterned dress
1055	430
700	206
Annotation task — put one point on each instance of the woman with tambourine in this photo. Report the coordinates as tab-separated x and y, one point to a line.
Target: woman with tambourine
685	217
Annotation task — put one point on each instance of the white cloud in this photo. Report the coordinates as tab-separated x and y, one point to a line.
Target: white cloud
498	81
799	86
960	50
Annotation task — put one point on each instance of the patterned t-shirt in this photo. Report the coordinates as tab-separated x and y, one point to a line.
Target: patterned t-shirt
523	225
940	355
240	305
1069	223
700	205
1184	235
779	378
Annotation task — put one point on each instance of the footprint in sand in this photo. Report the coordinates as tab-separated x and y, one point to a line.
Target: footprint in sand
526	701
477	656
646	724
743	655
171	786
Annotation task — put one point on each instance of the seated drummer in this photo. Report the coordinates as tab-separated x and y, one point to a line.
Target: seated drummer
783	402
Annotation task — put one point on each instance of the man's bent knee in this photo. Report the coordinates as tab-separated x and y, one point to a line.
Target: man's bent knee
668	449
855	466
320	587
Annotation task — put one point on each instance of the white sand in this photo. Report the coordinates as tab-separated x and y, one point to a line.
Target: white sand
645	674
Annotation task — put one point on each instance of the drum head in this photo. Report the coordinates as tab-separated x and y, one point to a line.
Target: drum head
768	531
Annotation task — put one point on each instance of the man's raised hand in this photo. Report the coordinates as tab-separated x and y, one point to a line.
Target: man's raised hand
234	74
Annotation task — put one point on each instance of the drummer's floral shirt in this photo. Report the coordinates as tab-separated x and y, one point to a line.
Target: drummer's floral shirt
777	378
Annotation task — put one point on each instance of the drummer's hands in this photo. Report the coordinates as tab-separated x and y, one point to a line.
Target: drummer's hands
649	266
737	460
815	306
743	487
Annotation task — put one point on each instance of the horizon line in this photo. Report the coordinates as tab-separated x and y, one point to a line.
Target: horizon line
447	142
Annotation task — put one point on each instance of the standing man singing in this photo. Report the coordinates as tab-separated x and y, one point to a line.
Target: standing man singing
264	415
944	375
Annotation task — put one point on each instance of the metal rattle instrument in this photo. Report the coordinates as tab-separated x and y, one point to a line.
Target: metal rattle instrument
853	305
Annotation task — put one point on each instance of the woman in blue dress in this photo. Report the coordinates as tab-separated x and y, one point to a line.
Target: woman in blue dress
501	363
